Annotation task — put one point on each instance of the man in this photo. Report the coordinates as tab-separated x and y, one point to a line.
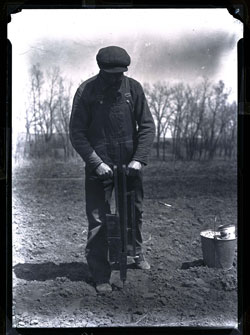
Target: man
110	124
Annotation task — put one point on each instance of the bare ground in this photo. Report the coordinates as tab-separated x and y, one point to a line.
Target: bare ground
52	286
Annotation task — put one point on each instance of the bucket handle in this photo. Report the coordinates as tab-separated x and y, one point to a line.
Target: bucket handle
215	220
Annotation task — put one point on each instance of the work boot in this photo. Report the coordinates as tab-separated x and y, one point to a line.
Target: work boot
141	262
104	288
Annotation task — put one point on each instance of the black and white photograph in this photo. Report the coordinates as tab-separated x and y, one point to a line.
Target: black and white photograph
124	167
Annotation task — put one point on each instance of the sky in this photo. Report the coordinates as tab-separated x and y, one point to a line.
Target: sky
164	44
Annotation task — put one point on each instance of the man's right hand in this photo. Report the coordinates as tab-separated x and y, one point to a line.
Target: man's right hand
104	171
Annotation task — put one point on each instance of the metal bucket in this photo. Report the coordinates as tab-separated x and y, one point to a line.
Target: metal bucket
217	252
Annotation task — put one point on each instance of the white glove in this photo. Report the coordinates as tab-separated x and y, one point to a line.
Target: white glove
134	167
104	171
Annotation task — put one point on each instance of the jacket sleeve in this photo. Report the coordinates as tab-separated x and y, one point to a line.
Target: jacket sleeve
78	129
145	124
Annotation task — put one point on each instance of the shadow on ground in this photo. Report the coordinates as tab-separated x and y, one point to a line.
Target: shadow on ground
74	271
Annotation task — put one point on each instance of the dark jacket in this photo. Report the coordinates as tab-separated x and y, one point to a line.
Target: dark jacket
116	124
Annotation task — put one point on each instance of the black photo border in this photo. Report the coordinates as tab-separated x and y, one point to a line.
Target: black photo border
240	9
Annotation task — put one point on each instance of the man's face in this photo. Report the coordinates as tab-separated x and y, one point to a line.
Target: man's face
113	79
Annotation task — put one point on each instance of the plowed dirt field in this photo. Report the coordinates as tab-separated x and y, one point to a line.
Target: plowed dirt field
52	286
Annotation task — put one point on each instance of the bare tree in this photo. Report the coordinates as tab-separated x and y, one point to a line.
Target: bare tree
159	101
165	128
190	116
33	112
228	138
193	119
166	121
216	117
62	116
178	105
50	103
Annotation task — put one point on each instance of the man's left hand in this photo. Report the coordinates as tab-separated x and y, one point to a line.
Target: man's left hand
134	167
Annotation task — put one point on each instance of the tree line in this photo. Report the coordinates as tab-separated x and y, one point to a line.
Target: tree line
191	122
48	113
200	121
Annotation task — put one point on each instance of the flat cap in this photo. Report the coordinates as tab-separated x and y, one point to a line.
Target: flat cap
113	59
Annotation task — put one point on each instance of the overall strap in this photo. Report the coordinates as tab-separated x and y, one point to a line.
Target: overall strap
127	94
127	87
